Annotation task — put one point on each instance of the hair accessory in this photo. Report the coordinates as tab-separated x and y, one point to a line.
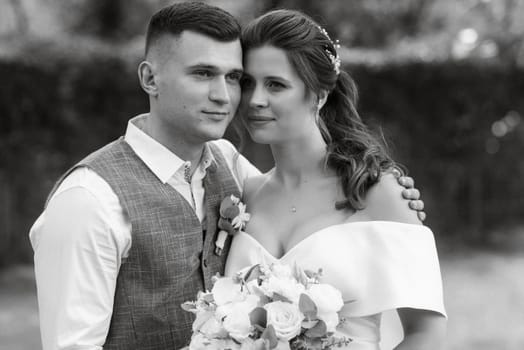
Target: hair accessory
335	59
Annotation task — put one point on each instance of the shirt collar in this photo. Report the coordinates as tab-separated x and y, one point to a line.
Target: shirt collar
160	160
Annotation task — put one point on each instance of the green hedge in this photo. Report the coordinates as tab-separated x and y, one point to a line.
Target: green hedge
437	118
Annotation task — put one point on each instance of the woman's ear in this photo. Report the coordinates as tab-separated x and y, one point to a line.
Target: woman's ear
322	98
146	76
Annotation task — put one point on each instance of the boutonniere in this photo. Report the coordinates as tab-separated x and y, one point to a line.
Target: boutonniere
233	218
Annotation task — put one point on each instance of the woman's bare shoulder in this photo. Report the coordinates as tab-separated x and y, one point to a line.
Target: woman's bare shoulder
384	202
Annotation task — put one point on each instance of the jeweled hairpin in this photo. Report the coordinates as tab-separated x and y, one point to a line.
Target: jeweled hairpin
335	59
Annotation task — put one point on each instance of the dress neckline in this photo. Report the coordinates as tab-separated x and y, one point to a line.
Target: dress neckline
304	240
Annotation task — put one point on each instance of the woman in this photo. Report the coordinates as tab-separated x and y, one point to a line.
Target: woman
331	201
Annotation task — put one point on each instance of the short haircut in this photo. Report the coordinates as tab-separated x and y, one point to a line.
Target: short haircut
194	16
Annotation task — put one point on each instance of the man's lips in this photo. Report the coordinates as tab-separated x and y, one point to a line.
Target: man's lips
216	115
224	113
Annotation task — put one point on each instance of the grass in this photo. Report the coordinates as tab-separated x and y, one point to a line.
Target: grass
483	291
484	297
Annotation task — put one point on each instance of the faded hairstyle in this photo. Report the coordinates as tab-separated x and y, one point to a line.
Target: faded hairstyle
195	16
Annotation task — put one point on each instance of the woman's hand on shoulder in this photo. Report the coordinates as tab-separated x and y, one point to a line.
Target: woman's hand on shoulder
384	202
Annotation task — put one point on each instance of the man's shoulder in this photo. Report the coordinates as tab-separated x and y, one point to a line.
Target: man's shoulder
105	151
82	177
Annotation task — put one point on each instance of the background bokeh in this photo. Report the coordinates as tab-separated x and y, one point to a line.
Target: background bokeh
443	80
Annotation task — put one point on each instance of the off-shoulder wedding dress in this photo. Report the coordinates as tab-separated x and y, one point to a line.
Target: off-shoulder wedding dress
378	266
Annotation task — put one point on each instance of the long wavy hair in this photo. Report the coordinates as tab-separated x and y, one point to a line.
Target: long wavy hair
356	155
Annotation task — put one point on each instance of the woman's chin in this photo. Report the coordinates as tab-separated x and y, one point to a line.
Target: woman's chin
260	137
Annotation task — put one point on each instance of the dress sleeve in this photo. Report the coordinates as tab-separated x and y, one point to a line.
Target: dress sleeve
398	267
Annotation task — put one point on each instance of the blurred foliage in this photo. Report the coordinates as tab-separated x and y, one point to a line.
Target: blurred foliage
446	108
368	23
439	116
114	20
52	116
426	28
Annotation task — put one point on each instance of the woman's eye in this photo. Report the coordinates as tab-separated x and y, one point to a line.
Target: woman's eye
275	85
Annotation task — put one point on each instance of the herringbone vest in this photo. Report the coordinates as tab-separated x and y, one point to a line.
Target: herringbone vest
171	256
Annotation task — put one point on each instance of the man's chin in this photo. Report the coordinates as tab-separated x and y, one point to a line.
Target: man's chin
211	135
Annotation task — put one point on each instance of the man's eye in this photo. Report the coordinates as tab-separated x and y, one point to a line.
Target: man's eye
235	76
203	73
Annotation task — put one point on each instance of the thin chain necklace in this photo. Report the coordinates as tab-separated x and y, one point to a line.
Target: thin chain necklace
293	208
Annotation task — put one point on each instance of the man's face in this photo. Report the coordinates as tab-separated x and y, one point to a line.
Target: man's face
198	80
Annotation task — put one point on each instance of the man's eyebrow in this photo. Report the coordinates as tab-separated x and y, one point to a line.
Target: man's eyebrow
237	71
213	68
202	66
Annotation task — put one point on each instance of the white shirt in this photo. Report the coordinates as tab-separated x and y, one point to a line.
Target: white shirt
82	236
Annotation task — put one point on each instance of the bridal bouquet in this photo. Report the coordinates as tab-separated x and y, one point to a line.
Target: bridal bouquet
267	307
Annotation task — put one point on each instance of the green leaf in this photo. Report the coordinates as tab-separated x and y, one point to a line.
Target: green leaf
264	299
261	344
258	317
230	212
280	297
208	298
271	336
252	273
310	274
225	225
226	203
319	330
307	307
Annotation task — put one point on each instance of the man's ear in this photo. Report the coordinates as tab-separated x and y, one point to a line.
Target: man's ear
146	76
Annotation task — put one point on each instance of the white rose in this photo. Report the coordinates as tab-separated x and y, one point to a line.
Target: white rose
199	342
226	290
212	328
286	318
238	325
287	287
327	298
328	301
246	305
236	317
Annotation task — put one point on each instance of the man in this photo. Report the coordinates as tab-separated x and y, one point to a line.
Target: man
128	233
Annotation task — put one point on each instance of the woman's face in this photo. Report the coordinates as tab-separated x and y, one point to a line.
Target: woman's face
274	106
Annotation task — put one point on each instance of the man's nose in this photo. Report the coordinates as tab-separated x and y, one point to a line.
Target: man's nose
218	91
